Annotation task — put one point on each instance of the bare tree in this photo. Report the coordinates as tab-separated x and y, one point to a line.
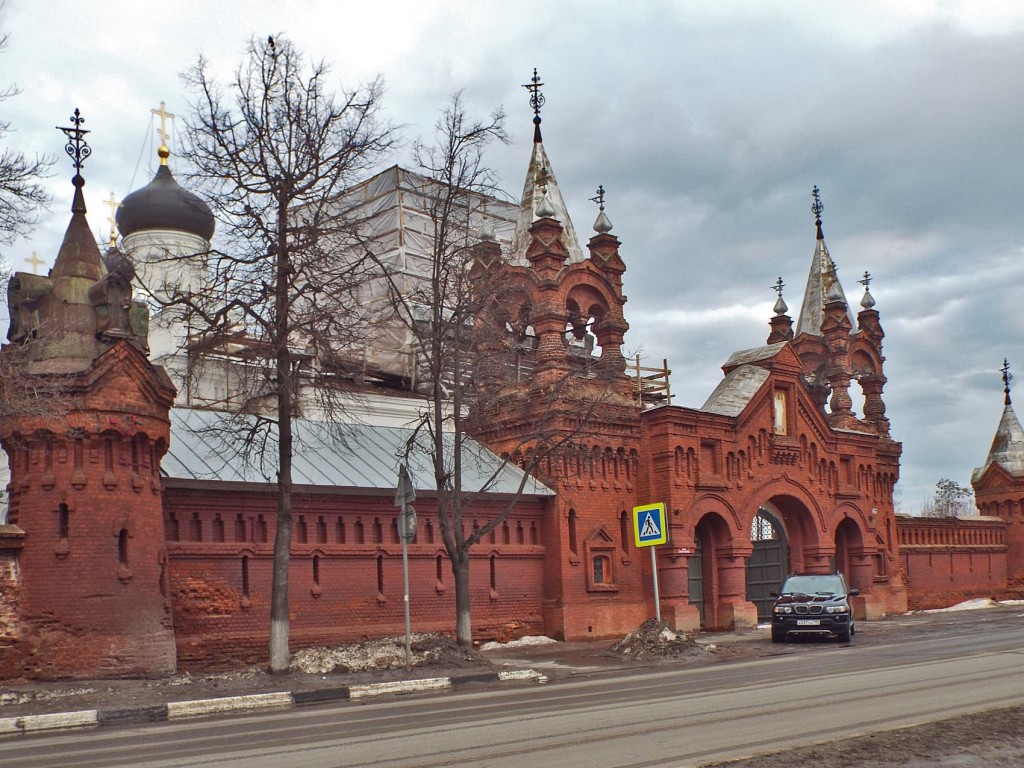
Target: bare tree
21	194
274	151
451	307
950	500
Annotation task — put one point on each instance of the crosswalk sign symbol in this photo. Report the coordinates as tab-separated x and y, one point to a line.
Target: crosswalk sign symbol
650	526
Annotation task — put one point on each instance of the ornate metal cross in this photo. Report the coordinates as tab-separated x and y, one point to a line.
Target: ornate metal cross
817	207
77	148
600	197
536	97
778	286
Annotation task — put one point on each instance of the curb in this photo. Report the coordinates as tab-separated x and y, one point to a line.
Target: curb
179	710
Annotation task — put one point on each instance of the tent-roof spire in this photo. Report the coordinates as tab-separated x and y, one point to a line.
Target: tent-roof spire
1008	444
79	255
541	195
822	281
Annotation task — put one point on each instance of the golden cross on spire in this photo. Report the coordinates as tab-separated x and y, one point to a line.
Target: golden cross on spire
35	261
113	204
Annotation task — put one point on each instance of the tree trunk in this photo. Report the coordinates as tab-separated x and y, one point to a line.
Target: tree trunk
463	626
280	655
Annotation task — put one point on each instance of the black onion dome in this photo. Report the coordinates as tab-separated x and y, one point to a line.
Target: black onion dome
163	204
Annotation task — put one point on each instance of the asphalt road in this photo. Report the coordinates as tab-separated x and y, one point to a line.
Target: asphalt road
665	718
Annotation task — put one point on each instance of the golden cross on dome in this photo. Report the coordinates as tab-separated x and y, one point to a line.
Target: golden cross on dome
163	114
113	204
35	261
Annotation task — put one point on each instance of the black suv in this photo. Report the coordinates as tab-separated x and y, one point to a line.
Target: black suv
813	604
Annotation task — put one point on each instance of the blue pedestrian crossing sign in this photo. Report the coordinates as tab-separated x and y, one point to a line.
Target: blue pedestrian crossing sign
650	526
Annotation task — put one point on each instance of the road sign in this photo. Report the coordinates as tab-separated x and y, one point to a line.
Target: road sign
650	526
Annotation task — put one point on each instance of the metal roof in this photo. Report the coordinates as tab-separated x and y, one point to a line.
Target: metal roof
736	390
210	445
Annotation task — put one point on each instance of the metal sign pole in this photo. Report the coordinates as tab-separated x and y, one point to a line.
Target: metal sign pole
405	586
405	493
654	575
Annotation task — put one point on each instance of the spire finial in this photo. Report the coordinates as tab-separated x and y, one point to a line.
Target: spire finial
78	149
603	224
816	209
536	102
1007	378
867	301
780	306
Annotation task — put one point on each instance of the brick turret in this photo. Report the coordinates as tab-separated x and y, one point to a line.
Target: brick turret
85	463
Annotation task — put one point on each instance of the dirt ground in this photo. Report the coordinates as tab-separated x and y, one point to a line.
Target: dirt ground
991	739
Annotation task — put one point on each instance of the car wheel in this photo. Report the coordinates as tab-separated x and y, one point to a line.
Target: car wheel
778	637
845	635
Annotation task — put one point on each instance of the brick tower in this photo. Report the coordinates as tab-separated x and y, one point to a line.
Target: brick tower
88	585
562	386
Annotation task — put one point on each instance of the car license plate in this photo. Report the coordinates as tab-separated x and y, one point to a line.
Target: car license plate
808	622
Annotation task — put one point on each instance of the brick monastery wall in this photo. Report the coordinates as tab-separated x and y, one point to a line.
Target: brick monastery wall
346	573
948	560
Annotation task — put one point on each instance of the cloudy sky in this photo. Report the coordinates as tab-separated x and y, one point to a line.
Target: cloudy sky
708	123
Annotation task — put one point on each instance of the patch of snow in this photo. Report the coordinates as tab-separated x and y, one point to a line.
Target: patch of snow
522	642
967	605
1011	602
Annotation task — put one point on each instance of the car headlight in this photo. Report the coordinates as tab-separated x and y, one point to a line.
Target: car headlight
837	609
783	609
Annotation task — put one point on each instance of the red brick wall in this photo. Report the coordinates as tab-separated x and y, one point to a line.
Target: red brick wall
218	623
948	560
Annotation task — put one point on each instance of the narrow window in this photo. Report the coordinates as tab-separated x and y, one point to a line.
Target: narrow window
63	521
440	569
378	531
173	529
360	534
494	573
534	536
302	530
506	533
316	570
572	531
218	528
245	576
239	527
520	533
624	531
380	574
122	547
600	569
108	454
321	530
261	529
339	530
197	527
430	532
